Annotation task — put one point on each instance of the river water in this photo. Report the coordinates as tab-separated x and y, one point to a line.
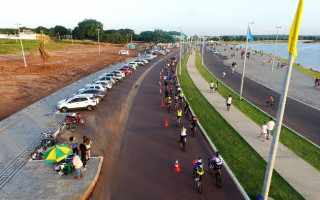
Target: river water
308	53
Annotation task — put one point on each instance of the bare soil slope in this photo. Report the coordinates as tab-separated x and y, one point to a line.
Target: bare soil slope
20	86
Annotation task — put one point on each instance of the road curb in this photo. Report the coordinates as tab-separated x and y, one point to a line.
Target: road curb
204	133
94	182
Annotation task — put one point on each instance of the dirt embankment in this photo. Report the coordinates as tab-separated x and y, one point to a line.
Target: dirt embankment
20	86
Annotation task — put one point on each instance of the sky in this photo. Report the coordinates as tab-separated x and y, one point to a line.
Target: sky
194	17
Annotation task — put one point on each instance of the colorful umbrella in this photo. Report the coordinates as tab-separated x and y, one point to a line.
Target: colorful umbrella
57	153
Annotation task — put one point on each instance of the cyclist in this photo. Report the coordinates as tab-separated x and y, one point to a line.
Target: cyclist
193	124
180	97
171	90
179	115
217	161
186	108
176	100
183	135
198	169
168	101
270	100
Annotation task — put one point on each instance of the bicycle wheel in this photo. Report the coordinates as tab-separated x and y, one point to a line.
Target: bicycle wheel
199	186
210	168
219	180
73	127
183	145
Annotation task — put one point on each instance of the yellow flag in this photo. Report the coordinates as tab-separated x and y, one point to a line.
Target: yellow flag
294	31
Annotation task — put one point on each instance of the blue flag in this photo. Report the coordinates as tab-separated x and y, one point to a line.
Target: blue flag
250	38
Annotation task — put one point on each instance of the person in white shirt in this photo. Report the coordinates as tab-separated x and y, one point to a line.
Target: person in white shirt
78	166
264	131
211	86
271	126
229	102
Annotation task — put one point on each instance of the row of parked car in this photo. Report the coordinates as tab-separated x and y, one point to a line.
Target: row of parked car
92	94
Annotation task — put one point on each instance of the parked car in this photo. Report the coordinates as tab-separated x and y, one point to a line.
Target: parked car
104	77
117	75
126	70
139	63
118	71
106	83
143	60
77	102
95	92
96	86
133	66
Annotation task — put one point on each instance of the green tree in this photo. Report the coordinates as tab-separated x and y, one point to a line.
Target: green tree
88	29
61	30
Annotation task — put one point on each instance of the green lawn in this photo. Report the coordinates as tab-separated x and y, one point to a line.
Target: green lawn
245	163
294	142
14	46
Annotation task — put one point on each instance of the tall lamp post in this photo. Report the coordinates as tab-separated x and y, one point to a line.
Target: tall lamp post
98	40
202	46
24	58
244	62
180	51
275	47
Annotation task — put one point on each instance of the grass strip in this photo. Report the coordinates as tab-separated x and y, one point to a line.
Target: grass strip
300	146
245	163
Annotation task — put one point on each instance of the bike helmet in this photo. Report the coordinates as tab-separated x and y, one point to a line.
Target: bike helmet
199	160
217	154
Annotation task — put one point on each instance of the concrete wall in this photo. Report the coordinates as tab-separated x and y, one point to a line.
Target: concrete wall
24	36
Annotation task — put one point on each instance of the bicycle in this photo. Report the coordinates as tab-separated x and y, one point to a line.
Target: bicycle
47	141
183	143
71	126
198	180
270	104
216	173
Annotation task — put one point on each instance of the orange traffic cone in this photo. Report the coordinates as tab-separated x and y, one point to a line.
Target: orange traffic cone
161	103
160	92
166	123
176	167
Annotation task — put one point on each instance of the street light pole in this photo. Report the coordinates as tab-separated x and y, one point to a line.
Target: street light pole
180	51
24	58
98	40
275	47
244	62
202	47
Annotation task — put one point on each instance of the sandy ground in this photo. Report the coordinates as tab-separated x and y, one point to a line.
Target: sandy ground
20	86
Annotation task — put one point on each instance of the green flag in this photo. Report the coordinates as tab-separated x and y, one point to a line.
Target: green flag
182	37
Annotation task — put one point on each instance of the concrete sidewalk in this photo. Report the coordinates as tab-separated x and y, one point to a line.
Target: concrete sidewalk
299	174
301	85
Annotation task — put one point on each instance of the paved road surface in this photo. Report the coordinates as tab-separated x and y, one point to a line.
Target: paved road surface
149	151
299	117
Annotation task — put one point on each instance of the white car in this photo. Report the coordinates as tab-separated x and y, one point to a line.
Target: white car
133	63
105	77
83	101
106	83
143	60
139	63
96	86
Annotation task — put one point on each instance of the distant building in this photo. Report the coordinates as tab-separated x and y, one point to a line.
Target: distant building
25	35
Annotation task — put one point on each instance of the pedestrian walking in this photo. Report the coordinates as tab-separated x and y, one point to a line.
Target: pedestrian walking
270	128
263	133
211	86
223	74
229	102
88	143
73	145
216	87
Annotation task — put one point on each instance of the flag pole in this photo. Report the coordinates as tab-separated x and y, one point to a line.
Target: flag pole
244	62
276	135
292	47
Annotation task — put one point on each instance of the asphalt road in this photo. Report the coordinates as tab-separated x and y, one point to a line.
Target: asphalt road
299	117
149	150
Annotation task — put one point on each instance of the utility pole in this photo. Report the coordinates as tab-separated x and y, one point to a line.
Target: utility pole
98	40
24	58
275	47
